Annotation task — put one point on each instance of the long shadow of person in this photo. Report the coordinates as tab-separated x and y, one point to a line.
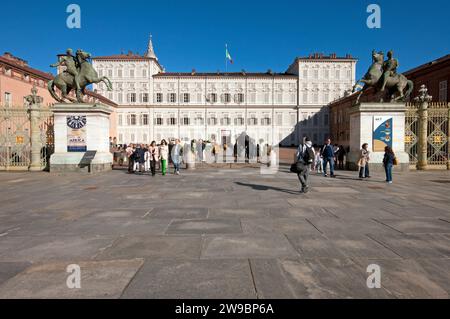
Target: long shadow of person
266	188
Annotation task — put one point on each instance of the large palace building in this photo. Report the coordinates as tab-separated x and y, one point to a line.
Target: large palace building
269	107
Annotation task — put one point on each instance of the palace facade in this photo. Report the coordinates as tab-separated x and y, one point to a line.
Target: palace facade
269	107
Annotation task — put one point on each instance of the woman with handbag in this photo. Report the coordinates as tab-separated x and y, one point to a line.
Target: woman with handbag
389	161
363	163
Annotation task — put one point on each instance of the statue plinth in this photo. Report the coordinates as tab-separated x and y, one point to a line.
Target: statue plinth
379	125
81	138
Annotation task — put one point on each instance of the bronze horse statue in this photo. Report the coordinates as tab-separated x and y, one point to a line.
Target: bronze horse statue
87	75
395	85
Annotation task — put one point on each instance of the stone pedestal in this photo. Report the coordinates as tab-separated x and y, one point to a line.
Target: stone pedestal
365	119
81	138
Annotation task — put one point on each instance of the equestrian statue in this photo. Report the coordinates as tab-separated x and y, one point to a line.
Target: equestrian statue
77	75
383	77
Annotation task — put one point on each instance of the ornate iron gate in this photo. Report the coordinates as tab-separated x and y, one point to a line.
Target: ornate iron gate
15	138
438	136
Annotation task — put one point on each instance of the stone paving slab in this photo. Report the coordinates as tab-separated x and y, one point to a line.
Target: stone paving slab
335	226
11	269
340	246
418	226
179	213
19	248
416	245
182	279
336	190
312	278
153	247
247	246
204	226
238	212
304	212
105	279
278	225
406	278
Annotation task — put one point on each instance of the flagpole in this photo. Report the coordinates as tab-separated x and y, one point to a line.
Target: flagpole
226	64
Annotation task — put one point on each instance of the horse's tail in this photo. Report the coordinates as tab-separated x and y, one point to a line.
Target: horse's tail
410	85
51	89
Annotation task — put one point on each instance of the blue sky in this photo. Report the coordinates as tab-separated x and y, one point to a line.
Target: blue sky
260	34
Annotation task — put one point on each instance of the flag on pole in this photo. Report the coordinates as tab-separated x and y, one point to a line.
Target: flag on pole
227	54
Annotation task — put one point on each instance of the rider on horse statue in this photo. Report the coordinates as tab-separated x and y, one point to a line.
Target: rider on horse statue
72	66
382	76
77	75
389	69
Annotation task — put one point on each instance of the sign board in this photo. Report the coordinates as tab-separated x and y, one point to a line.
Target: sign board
382	132
87	158
76	133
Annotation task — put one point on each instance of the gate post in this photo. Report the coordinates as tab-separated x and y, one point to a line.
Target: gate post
35	132
422	156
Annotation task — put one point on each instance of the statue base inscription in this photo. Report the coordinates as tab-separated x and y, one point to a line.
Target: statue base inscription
81	138
379	125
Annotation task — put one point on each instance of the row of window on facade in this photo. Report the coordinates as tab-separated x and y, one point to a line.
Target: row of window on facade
143	120
24	76
131	73
327	74
212	98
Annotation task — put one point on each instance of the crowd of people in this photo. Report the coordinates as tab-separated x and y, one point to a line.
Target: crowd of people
148	158
153	157
312	157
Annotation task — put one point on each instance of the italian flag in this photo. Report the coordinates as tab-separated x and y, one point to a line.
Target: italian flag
227	54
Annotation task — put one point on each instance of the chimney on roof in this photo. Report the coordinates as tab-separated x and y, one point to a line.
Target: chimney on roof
15	59
193	72
130	53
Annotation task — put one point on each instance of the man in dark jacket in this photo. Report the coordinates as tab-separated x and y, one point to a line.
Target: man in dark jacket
305	157
328	157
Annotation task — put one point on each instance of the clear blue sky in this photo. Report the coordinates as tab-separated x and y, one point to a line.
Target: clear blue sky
261	34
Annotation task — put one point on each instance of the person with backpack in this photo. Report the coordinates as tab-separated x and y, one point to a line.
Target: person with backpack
328	157
305	157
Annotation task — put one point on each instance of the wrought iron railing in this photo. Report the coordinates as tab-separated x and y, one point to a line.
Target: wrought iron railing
15	138
438	133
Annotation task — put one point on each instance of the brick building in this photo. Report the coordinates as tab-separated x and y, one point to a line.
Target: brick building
435	75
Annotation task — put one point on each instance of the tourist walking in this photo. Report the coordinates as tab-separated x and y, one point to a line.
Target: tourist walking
328	157
389	161
305	157
154	157
129	153
164	155
363	162
318	162
177	155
